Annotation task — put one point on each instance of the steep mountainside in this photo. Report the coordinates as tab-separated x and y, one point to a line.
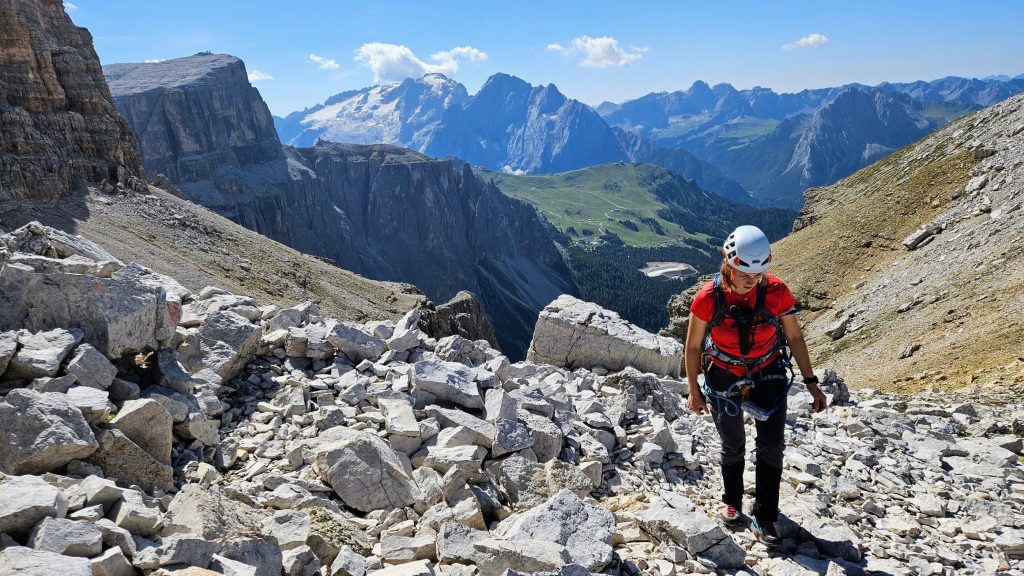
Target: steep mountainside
202	125
58	125
380	211
946	313
508	123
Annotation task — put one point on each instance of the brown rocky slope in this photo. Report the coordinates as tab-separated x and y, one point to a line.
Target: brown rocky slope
945	314
200	248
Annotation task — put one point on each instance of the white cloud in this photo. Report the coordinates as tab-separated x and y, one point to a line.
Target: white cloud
69	6
810	41
323	63
256	76
153	61
464	52
398	62
598	52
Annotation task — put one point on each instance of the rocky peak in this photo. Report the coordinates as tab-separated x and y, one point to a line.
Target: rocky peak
56	113
502	83
402	114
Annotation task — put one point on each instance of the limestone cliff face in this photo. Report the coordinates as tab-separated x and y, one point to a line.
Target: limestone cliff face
381	211
197	118
58	123
435	224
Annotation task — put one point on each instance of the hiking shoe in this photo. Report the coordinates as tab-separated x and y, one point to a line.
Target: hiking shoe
765	532
730	514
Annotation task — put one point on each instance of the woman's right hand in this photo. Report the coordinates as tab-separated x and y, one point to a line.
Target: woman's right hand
696	403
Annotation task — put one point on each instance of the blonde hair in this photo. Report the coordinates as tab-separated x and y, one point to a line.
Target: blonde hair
726	272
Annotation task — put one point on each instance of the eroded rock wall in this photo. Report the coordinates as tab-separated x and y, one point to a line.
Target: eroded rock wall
58	123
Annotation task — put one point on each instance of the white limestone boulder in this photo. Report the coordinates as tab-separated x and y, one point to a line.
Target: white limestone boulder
574	334
41	432
362	469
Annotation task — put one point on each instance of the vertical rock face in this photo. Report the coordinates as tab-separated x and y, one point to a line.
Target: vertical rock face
58	123
197	118
435	224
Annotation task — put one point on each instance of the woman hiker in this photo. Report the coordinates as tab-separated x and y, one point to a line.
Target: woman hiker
740	326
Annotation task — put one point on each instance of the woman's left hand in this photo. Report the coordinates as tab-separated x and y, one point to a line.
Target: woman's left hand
820	403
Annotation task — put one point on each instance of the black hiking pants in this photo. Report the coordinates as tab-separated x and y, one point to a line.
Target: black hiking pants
769	386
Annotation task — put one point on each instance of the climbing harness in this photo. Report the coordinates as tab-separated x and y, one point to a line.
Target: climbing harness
734	399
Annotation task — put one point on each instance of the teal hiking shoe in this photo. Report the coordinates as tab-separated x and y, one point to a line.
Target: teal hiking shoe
765	532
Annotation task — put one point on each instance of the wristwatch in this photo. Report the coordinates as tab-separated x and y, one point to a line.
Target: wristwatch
808	380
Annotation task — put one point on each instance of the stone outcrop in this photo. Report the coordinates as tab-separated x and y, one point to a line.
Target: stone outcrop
577	334
462	315
58	118
116	316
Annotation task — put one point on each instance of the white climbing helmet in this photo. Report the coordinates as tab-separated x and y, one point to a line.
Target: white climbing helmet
747	249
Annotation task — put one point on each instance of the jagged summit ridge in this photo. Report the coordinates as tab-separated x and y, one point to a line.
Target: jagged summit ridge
508	123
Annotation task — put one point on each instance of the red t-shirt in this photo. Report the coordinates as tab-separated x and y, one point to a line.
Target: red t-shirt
777	301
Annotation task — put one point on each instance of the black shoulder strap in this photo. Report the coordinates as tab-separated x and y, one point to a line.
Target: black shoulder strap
762	295
719	314
761	311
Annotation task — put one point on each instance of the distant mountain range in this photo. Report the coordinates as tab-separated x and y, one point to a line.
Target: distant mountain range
777	145
736	143
508	125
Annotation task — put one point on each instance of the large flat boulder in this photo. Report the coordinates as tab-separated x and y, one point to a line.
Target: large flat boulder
583	529
41	432
25	500
355	342
694	531
148	424
28	562
495	556
126	463
211	515
91	368
575	334
227	342
362	469
117	317
449	381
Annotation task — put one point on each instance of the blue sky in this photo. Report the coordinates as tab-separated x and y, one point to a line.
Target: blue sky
300	52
